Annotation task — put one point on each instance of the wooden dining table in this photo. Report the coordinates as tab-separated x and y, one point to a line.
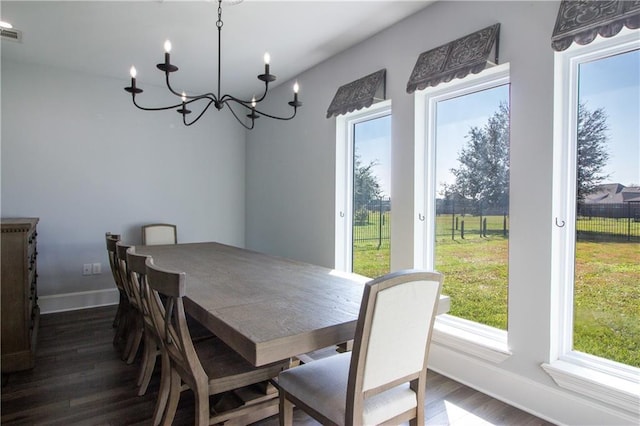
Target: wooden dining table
267	308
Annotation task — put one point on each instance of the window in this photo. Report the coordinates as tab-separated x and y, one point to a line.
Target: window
596	237
363	191
462	198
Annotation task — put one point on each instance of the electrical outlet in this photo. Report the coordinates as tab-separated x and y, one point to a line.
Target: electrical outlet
96	268
87	269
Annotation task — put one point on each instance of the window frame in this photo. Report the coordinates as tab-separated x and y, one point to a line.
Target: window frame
587	374
345	125
480	340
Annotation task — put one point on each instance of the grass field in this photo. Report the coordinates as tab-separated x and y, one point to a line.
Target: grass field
607	287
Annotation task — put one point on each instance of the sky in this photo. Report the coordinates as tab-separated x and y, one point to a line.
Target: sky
612	83
373	143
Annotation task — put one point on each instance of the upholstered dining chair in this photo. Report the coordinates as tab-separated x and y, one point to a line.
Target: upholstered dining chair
383	379
159	233
120	320
209	367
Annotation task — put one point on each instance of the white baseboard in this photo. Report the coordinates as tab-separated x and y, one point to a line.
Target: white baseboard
79	300
548	402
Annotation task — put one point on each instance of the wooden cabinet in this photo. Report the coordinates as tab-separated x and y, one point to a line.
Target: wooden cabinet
20	313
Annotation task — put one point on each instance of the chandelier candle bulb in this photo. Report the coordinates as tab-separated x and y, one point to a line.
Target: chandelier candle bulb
133	89
166	66
295	103
267	60
253	114
133	73
184	111
167	53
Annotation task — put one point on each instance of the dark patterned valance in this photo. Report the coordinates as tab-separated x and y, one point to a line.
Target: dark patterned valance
358	94
456	59
582	20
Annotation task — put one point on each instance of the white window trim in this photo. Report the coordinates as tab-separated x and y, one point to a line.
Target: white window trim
488	343
596	377
344	174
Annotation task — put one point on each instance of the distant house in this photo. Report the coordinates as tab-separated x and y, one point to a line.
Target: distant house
613	193
612	200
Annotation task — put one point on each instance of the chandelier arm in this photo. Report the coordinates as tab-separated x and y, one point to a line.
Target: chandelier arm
169	86
295	111
184	116
239	120
133	98
247	104
257	111
193	97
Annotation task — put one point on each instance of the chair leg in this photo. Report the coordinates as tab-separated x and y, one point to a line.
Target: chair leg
163	392
148	363
128	334
174	398
286	410
418	387
116	319
122	314
135	337
145	358
202	405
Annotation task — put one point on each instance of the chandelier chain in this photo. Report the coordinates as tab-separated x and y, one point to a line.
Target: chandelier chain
219	22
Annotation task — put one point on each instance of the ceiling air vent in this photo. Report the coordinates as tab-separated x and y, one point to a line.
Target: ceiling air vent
11	34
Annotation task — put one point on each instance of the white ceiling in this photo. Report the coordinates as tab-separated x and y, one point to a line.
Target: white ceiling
107	37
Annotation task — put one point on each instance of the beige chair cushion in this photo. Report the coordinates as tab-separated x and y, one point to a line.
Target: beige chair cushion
322	385
159	234
397	350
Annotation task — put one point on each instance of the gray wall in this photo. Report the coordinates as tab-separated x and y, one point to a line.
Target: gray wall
290	184
77	154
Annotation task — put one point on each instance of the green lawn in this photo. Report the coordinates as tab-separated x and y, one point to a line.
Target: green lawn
607	312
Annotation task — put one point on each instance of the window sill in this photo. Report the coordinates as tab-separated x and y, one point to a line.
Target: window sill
471	338
617	391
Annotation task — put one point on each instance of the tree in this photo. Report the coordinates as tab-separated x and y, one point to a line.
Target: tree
365	183
483	175
592	155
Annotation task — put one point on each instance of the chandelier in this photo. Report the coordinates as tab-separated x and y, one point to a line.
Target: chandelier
218	100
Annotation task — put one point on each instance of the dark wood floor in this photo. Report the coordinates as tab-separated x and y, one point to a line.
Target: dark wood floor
79	379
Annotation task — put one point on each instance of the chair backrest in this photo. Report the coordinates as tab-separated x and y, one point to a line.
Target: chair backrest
138	280
159	233
393	334
123	269
112	240
170	321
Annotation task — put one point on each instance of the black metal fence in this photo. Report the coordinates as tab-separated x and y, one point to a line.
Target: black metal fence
372	221
465	219
608	222
462	218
